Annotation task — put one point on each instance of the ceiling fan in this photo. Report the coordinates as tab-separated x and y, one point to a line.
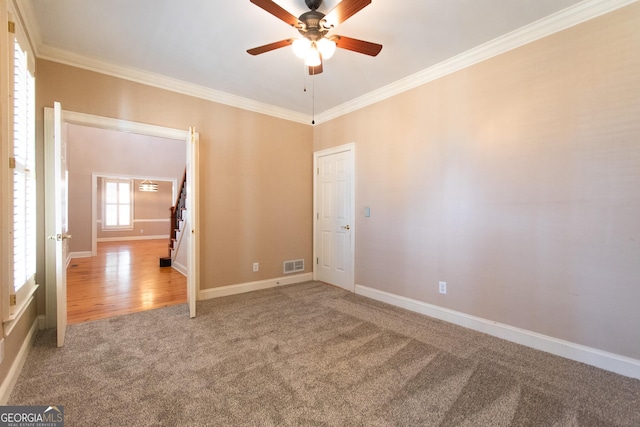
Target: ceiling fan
315	45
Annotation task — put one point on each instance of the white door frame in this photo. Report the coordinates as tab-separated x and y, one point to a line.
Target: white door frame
121	126
316	155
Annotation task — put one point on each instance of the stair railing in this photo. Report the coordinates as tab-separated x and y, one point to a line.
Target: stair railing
177	211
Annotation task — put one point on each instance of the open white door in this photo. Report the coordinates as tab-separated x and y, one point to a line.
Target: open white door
57	229
193	266
334	236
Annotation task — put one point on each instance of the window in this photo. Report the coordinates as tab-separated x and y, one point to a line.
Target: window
24	179
117	204
21	195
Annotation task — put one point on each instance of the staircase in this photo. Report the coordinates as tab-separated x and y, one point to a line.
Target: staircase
177	224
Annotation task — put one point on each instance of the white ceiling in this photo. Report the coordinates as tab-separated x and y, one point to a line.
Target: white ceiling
204	42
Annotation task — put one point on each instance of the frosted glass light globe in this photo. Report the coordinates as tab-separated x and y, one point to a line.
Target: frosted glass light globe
301	47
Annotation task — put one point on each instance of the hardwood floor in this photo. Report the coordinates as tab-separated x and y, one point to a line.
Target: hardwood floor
125	277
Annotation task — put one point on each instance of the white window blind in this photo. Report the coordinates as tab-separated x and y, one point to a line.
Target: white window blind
118	209
24	179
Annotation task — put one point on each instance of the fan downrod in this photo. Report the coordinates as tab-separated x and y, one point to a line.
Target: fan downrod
313	4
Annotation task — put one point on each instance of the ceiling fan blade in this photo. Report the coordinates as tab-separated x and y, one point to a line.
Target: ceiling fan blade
356	45
315	70
269	47
343	11
277	11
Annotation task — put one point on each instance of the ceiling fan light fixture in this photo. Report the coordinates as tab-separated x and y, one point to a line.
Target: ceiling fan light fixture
301	47
326	47
314	46
313	57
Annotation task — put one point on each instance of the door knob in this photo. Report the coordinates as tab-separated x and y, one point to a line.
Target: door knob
60	237
346	227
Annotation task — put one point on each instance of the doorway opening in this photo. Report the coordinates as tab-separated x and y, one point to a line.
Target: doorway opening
129	246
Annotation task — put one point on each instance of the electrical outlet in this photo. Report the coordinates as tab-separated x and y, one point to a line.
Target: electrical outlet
442	287
256	267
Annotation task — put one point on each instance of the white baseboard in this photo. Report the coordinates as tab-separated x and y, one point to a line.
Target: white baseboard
16	367
126	239
241	288
179	268
601	359
42	322
83	254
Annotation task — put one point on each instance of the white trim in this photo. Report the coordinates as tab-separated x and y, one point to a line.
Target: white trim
241	288
327	152
192	219
567	18
601	359
42	322
16	367
131	238
83	254
179	268
94	215
120	125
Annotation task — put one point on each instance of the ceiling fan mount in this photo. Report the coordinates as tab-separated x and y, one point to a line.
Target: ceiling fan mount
314	27
313	4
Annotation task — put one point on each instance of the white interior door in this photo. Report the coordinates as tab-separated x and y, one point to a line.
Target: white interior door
334	237
193	265
57	224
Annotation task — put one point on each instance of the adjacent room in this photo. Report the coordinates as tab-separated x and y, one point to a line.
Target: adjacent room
397	213
121	254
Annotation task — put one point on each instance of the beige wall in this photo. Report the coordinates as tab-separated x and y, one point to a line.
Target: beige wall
516	181
255	170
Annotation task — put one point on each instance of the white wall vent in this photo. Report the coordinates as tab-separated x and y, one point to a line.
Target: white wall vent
293	266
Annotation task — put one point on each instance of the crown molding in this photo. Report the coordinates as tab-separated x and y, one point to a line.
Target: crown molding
567	18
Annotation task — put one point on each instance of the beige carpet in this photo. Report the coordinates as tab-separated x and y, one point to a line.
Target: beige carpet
311	354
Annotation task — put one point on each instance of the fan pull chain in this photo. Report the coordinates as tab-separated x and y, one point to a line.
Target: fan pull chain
313	95
304	77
